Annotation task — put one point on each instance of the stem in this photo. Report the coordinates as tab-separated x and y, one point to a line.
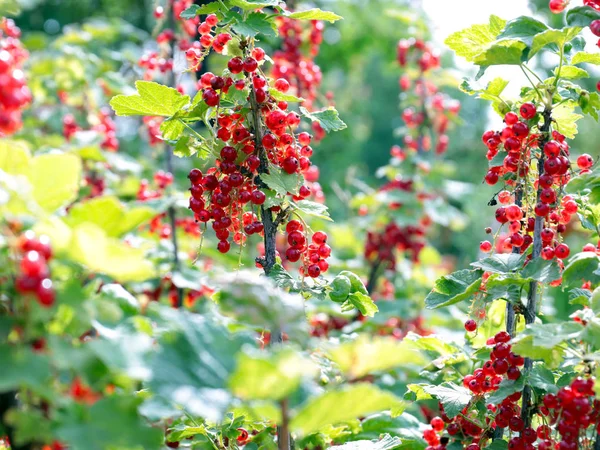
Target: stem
531	309
373	276
169	164
270	224
522	66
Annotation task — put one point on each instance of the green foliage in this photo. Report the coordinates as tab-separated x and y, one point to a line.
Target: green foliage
152	99
454	288
329	118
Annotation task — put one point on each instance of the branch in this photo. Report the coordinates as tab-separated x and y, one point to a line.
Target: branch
270	233
531	310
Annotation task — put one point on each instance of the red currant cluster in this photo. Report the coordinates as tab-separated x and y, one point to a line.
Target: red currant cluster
167	287
151	62
199	49
105	126
221	194
34	273
14	93
314	255
520	146
572	411
322	324
295	66
158	226
503	364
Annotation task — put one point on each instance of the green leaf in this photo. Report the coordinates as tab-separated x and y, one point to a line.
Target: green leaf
491	93
542	378
55	178
406	427
21	367
592	107
193	363
258	302
552	37
506	388
256	23
282	277
274	376
544	341
152	99
582	16
385	443
112	422
281	97
253	4
571	73
581	268
454	398
118	294
341	405
475	40
539	269
497	444
194	10
585	57
367	355
110	214
190	12
453	288
172	129
315	14
329	119
363	303
314	209
281	182
509	52
507	287
523	28
9	8
566	119
188	278
502	263
89	245
579	296
181	431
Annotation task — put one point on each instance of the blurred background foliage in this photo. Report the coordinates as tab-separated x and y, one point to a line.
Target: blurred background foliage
360	69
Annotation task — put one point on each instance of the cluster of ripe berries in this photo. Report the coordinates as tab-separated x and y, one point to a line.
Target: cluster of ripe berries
572	411
503	364
34	274
166	287
313	256
224	191
14	93
105	127
520	146
157	225
428	118
293	63
199	49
